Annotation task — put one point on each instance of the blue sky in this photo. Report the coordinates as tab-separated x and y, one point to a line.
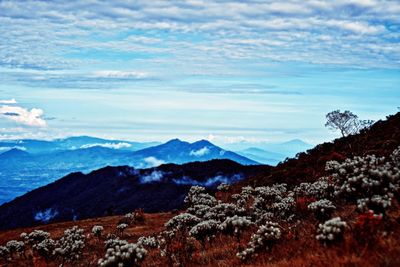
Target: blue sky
221	70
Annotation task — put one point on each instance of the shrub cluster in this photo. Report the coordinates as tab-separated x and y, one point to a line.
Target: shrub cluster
204	231
121	228
97	230
45	248
123	255
70	246
148	241
223	187
322	209
265	237
331	231
370	181
322	188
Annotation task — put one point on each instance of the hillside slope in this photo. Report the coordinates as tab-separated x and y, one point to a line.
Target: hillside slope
351	218
117	190
22	171
381	139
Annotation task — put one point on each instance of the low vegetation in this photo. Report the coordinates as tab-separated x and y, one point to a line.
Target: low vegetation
350	217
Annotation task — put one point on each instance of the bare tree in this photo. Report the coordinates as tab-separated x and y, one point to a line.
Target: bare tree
346	122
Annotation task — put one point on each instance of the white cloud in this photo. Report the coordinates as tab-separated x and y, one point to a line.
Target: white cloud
53	29
24	116
121	74
154	176
356	27
201	152
119	145
153	162
224	139
11	101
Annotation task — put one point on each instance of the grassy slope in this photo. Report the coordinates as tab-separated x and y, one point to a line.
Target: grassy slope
296	249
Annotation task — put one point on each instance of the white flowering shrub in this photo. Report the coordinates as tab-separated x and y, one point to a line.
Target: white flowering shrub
241	203
123	256
15	246
264	218
369	181
204	231
284	208
204	199
331	231
45	248
194	191
395	157
113	241
4	253
134	217
247	191
245	195
375	203
177	247
274	199
129	218
321	188
182	222
395	160
97	230
35	237
121	228
223	187
265	237
322	209
164	240
199	210
23	236
270	192
41	243
70	246
147	241
235	226
223	211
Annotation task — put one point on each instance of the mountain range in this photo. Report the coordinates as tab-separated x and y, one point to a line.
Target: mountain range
118	190
268	153
71	143
262	156
31	164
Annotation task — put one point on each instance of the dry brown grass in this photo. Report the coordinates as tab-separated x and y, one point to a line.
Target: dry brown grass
299	249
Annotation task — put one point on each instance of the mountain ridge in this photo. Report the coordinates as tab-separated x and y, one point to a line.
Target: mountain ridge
22	172
117	190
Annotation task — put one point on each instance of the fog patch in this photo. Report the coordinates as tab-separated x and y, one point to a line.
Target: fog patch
46	215
210	182
154	176
201	152
119	145
152	162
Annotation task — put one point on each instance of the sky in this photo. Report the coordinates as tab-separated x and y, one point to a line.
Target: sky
226	71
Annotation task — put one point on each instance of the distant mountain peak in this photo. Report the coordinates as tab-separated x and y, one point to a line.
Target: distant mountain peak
202	142
14	152
175	141
296	141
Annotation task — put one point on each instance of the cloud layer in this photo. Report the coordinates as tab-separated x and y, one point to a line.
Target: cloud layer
189	68
46	35
119	145
32	117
